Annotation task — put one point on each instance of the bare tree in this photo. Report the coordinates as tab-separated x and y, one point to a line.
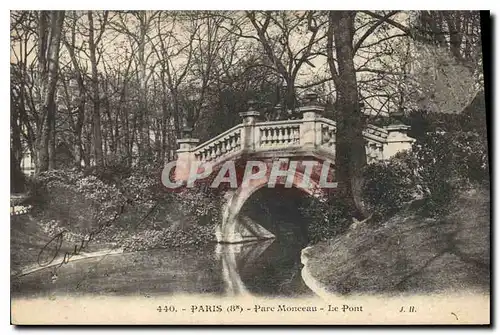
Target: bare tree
175	60
138	26
95	37
288	40
50	27
79	74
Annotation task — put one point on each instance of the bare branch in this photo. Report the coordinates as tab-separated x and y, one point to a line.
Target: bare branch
373	28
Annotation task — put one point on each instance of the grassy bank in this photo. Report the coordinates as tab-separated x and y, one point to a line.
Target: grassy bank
410	252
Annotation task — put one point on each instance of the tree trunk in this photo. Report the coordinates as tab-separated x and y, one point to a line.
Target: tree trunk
49	68
87	149
96	117
454	20
78	148
143	140
350	147
290	94
80	118
16	151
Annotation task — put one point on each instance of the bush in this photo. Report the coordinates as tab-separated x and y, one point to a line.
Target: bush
389	185
327	215
142	213
447	163
439	165
202	203
80	202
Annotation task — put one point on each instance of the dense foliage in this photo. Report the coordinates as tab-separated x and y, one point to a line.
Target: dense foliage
328	217
137	212
446	158
390	185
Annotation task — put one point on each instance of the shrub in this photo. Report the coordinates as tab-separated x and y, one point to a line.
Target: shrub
327	217
389	185
202	203
448	162
148	215
78	201
439	165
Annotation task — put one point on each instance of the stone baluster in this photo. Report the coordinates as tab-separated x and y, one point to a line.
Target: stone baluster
296	135
286	135
263	138
309	135
248	140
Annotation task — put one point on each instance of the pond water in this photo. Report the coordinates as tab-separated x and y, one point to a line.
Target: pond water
263	268
267	268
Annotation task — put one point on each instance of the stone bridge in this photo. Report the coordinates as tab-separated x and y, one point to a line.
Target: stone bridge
288	142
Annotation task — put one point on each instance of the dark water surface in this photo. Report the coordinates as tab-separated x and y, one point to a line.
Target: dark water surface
264	268
267	268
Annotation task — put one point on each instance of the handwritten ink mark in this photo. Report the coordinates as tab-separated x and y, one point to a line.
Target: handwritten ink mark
454	315
94	268
54	245
56	242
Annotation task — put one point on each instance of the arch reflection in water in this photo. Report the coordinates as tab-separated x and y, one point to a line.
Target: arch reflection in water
236	256
266	268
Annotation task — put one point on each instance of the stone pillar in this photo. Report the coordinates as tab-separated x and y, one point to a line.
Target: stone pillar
397	140
185	154
248	134
308	132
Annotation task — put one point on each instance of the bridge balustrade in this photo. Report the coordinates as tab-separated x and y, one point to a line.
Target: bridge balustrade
312	132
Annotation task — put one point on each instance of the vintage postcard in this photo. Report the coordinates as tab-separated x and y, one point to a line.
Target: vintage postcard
249	167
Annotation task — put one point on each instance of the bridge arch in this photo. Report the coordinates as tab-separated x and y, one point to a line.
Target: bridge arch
234	229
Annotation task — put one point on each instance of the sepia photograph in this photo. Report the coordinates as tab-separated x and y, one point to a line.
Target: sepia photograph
200	167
